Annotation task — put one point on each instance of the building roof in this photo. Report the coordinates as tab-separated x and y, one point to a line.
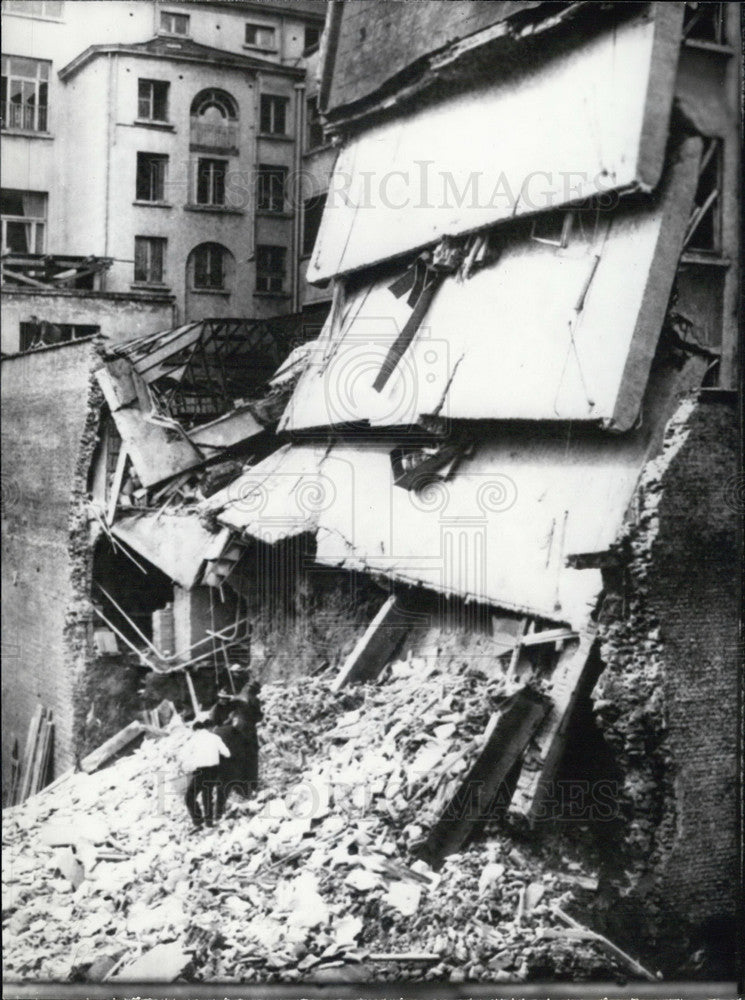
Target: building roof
178	50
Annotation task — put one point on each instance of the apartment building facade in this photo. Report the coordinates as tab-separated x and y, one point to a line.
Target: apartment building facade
164	138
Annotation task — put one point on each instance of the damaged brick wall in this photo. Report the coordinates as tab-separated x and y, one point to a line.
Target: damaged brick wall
668	699
50	414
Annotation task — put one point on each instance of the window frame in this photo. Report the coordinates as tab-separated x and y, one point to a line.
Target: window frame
151	243
313	126
150	98
708	201
274	102
258	26
271	188
36	224
69	331
691	19
174	14
270	278
161	159
24	11
40	121
209	249
217	171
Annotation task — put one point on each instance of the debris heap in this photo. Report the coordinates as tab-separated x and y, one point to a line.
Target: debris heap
314	879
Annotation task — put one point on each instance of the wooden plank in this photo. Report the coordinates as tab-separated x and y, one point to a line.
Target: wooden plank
550	635
112	746
377	645
586	933
517	721
116	484
535	781
28	754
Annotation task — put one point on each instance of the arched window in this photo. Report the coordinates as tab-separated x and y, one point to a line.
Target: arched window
214	121
211	267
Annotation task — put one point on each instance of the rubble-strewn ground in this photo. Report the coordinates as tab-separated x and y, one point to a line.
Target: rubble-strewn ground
311	877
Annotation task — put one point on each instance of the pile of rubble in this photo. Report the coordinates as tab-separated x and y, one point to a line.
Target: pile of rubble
311	880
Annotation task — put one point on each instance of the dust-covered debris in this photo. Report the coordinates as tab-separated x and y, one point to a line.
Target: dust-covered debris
314	878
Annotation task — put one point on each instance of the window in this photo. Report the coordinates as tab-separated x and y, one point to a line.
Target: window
152	100
705	225
314	137
704	22
270	268
261	36
24	215
312	215
273	117
25	93
211	182
271	188
151	177
34	8
37	332
150	257
312	38
209	266
174	24
214	118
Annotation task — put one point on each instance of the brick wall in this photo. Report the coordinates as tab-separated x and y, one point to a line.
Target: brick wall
668	699
46	433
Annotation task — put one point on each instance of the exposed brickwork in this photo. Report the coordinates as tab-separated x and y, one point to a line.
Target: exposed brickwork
47	400
669	696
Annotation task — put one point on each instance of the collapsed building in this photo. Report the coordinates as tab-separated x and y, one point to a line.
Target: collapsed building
515	437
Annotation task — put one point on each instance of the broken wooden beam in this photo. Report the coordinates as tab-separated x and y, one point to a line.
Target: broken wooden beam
550	635
535	782
590	935
377	645
595	560
112	746
518	719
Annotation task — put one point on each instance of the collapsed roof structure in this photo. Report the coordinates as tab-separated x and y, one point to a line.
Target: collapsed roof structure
501	357
517	205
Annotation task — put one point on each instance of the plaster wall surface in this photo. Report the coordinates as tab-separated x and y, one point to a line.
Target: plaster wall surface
46	411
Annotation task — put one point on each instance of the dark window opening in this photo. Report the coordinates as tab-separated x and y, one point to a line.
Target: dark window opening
209	266
261	36
152	100
41	333
270	268
705	225
273	115
151	177
272	187
211	182
312	215
150	254
174	24
25	93
314	132
24	215
312	40
705	22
